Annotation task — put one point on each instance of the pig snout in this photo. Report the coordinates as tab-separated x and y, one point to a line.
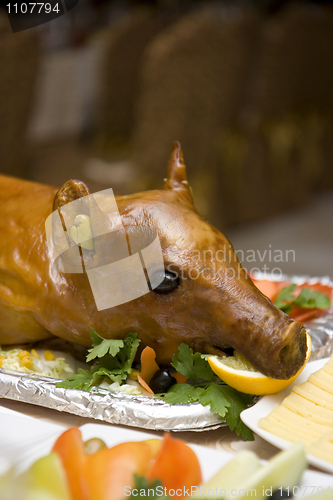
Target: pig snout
292	355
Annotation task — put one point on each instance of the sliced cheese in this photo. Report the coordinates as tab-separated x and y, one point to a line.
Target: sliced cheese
299	423
306	415
278	428
308	409
323	448
314	394
328	367
322	379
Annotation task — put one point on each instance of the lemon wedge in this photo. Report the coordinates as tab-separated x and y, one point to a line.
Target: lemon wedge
241	375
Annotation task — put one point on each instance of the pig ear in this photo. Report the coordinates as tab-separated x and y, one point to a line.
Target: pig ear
70	191
177	178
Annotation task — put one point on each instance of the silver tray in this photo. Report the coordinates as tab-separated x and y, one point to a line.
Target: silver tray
141	411
115	408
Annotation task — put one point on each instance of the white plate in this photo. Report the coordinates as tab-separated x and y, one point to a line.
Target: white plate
252	415
24	439
28	439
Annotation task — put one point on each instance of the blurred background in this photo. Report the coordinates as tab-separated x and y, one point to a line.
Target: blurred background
101	93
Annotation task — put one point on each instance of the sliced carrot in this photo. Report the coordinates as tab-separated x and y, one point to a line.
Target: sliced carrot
148	364
145	385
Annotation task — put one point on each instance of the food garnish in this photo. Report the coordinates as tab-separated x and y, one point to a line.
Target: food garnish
205	388
113	365
307	299
245	473
300	302
110	472
156	468
152	490
148	368
45	363
114	359
237	372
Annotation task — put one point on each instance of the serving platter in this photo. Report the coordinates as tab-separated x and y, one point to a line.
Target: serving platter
141	411
265	405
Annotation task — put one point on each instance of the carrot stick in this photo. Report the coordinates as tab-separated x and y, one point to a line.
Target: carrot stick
148	364
145	385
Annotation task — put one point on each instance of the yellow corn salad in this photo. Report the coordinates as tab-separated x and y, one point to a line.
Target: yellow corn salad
43	363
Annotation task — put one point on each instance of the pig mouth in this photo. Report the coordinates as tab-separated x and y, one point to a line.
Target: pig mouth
290	357
280	359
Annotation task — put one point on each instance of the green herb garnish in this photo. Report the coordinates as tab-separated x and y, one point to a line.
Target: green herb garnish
143	489
206	388
114	359
307	299
193	366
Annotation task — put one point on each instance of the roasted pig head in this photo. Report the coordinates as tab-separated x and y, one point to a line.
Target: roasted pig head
204	299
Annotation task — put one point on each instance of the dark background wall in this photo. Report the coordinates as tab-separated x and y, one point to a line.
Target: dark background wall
102	92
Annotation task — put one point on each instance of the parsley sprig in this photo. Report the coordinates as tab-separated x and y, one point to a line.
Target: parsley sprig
143	488
307	298
204	387
114	359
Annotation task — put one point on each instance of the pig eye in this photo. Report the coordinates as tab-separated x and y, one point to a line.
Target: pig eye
169	283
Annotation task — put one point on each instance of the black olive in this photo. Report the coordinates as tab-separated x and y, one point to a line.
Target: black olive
162	381
170	282
280	494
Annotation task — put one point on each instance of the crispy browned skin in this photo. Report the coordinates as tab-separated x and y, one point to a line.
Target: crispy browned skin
216	305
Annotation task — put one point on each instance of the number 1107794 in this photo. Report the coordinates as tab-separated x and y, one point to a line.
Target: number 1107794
32	8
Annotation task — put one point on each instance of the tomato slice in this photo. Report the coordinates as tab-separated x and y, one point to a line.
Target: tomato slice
176	466
103	475
301	314
110	472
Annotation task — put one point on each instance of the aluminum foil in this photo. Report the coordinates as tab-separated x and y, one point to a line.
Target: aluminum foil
141	411
115	408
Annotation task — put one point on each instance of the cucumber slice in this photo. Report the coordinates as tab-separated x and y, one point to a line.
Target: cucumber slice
243	478
284	470
243	465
